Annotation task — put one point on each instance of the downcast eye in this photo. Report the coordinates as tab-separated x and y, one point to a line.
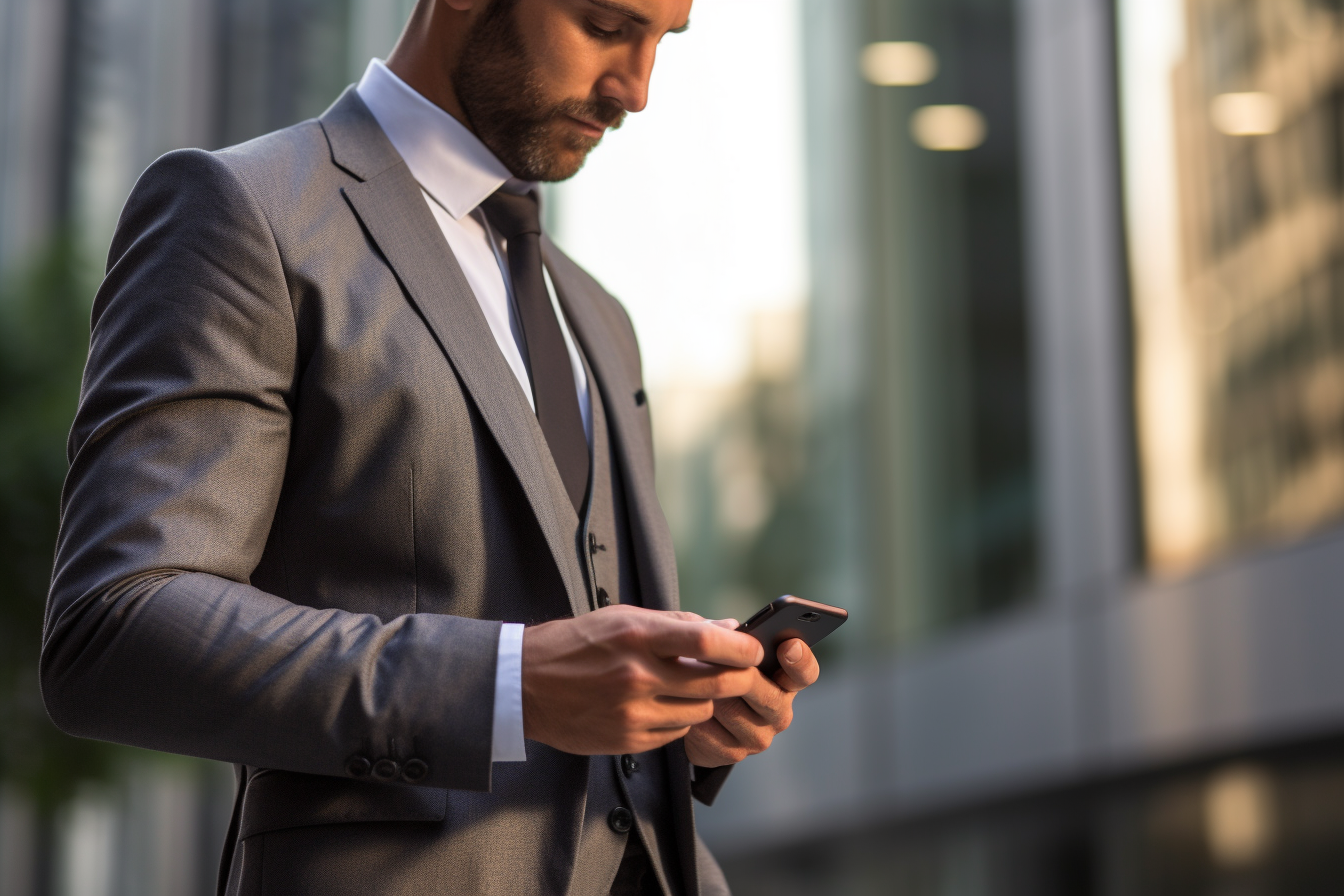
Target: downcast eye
602	33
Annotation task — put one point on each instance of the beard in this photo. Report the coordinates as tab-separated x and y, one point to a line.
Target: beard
502	94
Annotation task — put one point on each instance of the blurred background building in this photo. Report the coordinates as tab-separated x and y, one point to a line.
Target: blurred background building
1014	326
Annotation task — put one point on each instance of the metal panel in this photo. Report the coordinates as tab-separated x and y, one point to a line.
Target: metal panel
989	712
31	73
1236	657
994	709
1079	347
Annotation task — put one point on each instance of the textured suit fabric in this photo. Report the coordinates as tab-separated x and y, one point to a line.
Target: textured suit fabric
302	481
642	785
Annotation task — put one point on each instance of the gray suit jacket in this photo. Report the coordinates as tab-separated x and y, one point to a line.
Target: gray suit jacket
304	489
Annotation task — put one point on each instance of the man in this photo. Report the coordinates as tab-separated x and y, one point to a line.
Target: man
345	410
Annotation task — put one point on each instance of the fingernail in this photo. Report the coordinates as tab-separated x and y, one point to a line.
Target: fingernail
793	653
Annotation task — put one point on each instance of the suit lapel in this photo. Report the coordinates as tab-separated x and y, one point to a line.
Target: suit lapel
389	203
655	555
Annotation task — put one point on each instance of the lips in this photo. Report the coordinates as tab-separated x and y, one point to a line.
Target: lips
589	128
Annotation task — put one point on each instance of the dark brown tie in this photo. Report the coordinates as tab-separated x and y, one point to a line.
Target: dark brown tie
517	220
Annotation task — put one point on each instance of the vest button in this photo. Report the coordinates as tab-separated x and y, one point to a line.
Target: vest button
621	820
414	770
629	765
603	599
358	766
386	769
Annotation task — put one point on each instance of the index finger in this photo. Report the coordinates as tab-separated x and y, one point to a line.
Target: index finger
706	642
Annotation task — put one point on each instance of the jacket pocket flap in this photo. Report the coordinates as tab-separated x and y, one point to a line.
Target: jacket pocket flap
276	800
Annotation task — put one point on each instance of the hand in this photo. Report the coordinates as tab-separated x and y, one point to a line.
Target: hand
746	725
625	680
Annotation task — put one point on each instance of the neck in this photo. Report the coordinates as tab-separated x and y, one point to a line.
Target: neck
427	52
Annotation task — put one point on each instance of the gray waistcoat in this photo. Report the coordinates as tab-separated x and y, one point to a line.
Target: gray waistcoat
637	782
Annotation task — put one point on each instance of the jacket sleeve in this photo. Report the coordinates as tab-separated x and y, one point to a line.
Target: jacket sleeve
707	782
153	636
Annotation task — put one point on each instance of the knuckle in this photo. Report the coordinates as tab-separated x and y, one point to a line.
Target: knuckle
733	684
627	632
631	677
760	740
629	716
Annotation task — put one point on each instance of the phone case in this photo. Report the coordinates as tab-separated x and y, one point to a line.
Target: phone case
791	617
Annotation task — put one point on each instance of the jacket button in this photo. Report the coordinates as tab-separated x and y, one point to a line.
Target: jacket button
415	770
629	765
603	599
358	766
386	769
621	820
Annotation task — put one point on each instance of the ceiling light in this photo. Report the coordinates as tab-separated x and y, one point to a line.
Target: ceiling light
1239	815
1246	114
899	63
948	128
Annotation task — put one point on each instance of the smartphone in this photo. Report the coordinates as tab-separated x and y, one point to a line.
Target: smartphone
788	617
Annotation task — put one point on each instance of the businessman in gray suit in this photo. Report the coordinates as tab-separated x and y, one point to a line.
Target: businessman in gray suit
361	494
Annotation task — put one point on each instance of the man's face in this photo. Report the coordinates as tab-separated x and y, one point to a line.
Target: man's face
541	81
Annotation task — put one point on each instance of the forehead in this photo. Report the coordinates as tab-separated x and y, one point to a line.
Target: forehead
660	14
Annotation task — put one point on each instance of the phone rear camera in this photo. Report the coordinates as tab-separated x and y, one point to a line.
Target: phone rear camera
809	617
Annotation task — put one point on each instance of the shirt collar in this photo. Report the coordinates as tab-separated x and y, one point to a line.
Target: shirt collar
450	162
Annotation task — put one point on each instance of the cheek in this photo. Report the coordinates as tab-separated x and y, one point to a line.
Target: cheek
569	67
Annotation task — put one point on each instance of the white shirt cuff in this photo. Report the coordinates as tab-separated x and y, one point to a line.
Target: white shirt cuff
507	743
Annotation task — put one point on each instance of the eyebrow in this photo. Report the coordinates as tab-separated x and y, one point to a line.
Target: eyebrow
633	14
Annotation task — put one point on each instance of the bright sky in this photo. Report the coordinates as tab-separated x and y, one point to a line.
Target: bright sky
692	214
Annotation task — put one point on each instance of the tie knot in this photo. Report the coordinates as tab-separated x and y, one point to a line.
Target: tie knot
513	215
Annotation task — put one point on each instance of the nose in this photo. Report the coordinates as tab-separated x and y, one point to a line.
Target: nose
627	81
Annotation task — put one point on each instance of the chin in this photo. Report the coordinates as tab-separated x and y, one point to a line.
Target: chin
564	163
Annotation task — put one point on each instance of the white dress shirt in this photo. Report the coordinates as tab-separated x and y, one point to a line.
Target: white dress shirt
456	173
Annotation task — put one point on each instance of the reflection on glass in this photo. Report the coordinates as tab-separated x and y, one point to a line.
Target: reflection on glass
899	63
951	384
1251	114
1239	816
948	128
1265	828
1234	122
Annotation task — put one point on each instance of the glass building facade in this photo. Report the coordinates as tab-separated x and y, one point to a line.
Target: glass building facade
950	382
1238	308
1096	415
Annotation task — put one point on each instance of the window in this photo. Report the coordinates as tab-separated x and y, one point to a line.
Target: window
1233	113
951	386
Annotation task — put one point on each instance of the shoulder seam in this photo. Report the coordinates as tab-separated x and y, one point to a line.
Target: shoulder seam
270	227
